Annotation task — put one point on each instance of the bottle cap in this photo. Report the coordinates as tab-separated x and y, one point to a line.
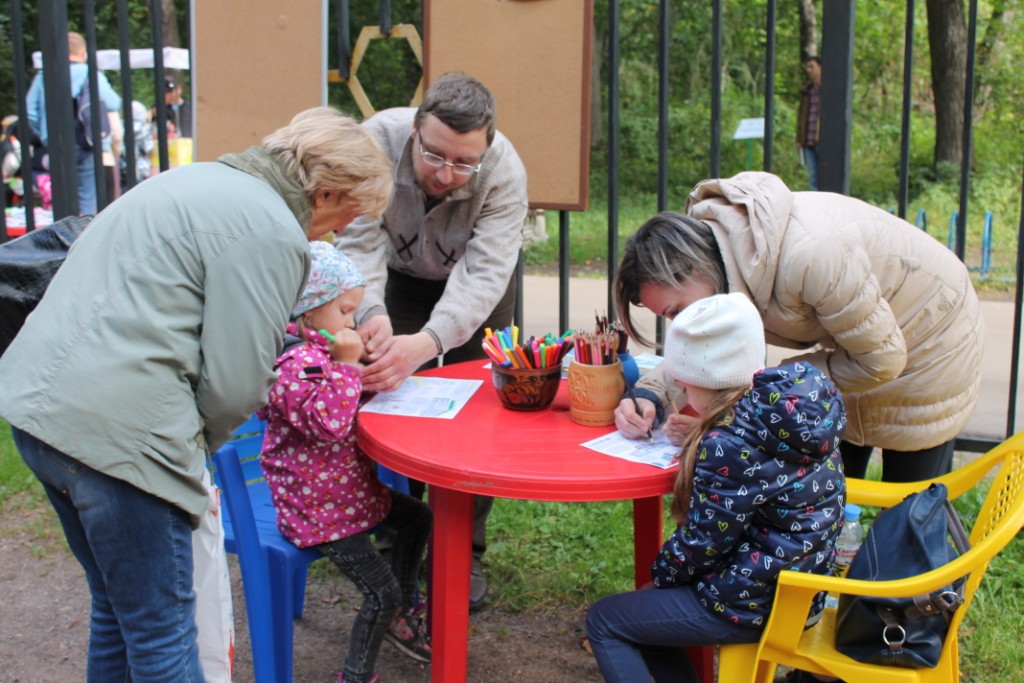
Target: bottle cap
852	512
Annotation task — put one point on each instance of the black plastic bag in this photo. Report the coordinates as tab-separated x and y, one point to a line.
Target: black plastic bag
27	265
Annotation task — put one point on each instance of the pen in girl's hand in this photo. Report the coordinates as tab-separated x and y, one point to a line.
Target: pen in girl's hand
330	337
636	406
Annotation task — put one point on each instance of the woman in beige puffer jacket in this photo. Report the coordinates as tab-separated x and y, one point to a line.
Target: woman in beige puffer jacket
886	310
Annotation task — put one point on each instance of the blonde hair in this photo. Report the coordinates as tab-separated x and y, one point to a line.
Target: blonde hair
76	45
328	150
718	413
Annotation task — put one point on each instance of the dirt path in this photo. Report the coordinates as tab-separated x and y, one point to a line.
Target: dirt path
44	612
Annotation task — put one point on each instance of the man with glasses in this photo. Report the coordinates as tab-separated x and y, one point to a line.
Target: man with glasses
439	264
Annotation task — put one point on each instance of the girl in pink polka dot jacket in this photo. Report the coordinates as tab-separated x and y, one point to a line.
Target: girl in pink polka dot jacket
325	489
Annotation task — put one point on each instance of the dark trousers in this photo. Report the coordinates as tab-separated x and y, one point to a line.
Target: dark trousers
410	301
899	466
386	586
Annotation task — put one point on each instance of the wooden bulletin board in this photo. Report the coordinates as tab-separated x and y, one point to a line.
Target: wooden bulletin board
257	64
534	55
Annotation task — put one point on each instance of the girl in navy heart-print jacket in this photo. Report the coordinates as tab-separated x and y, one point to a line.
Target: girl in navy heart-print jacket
760	490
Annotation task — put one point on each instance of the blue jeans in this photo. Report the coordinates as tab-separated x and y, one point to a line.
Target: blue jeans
86	183
136	550
811	160
640	635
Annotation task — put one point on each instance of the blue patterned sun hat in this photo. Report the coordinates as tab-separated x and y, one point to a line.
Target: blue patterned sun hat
331	274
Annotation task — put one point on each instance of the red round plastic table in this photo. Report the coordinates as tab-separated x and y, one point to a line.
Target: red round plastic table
490	450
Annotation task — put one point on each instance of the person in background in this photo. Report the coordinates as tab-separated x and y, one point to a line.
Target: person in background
439	264
112	148
881	306
154	341
760	490
13	180
35	102
144	145
808	130
325	489
179	110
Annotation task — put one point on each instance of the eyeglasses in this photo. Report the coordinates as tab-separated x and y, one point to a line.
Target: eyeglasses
438	161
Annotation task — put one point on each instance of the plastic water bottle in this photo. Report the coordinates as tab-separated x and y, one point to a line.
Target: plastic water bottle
847	546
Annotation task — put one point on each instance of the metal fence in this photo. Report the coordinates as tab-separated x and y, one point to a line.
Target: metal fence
836	104
61	147
838	47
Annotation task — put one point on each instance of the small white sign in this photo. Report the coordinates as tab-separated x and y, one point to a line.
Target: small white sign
749	128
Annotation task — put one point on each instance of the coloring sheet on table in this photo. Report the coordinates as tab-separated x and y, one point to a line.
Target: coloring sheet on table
425	397
661	453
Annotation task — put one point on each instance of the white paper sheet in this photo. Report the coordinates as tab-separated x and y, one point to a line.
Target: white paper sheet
425	397
661	453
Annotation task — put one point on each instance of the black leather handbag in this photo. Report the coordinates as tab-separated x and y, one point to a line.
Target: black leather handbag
920	534
27	265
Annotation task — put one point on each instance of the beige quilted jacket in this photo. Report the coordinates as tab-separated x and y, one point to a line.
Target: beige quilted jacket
889	311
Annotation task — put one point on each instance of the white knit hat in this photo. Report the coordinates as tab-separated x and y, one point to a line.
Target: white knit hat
716	343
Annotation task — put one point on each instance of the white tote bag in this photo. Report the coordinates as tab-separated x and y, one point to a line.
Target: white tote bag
215	617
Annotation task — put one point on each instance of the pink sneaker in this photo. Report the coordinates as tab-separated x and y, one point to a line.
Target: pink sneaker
408	633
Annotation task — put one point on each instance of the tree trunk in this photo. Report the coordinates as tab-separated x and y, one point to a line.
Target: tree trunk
947	42
989	51
170	25
808	31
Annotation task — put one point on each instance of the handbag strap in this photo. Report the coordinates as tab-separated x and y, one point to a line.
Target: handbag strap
943	602
956	529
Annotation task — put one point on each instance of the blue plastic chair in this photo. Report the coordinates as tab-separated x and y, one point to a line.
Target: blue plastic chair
273	569
393	480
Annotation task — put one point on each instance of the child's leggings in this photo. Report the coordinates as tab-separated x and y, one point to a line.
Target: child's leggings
385	586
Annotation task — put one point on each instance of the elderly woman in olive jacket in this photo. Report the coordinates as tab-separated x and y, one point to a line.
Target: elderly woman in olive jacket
155	339
885	309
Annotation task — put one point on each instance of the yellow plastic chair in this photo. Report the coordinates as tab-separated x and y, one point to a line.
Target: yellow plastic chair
785	641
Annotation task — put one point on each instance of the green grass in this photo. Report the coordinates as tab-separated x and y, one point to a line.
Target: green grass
15	478
546	557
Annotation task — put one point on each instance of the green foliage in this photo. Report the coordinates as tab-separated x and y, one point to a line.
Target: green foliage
389	72
588	241
875	138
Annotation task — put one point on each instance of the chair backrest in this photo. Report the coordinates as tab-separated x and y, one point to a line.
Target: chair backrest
235	464
999	520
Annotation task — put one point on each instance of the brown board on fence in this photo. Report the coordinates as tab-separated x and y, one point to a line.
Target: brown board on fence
257	64
534	55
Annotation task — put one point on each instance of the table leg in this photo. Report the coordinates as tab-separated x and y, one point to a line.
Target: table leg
647	529
647	538
450	561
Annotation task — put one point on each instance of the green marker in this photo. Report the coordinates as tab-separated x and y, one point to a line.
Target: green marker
330	337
